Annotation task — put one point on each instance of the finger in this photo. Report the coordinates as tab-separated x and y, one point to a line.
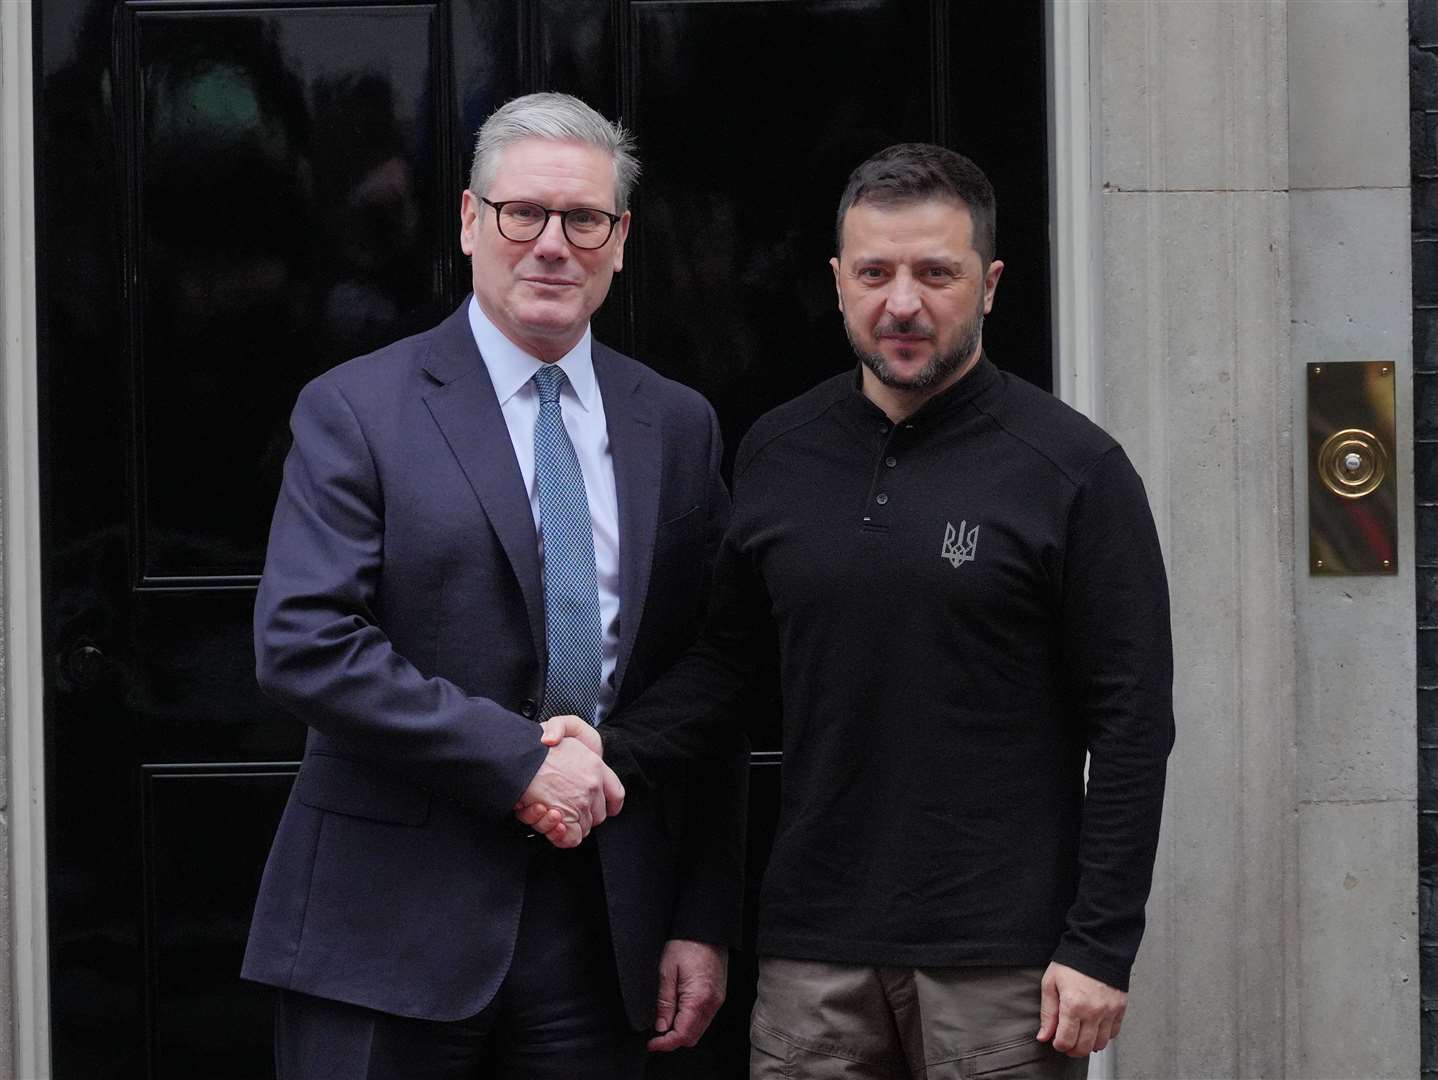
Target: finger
1066	1034
689	1025
530	815
686	1032
557	728
689	1021
1084	1040
575	819
662	1044
1048	1010
552	820
667	1003
613	792
598	807
586	733
565	836
695	1017
1104	1036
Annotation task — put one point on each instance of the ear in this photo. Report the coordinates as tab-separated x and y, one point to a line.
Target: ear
991	283
621	230
834	265
469	211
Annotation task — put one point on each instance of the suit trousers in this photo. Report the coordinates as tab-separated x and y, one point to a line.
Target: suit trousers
557	1015
821	1021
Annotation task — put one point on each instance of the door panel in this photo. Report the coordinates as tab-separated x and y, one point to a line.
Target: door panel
287	207
233	197
736	231
201	1025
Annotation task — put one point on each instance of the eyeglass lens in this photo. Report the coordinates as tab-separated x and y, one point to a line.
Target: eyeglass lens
584	227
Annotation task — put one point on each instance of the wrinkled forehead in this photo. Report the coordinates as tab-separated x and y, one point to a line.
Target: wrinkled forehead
889	223
558	164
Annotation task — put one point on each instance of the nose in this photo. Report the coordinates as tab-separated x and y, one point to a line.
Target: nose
903	299
551	243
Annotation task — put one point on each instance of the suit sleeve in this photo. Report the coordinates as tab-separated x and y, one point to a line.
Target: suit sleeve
1118	666
710	903
318	646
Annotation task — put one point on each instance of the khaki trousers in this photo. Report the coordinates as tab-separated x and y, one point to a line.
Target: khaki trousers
820	1021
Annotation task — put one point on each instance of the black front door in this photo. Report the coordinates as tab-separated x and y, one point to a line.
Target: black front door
235	196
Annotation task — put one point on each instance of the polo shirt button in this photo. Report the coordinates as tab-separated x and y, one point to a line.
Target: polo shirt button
891	462
883	429
881	498
526	708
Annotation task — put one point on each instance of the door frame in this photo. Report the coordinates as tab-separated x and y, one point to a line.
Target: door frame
21	648
1074	293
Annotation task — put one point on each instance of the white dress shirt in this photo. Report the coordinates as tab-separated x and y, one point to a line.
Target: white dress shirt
510	370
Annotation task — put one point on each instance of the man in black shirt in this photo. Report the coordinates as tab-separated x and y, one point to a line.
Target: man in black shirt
968	596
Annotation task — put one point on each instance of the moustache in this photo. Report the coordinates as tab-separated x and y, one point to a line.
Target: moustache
907	328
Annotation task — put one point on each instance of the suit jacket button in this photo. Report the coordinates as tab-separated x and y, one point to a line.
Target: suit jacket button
527	708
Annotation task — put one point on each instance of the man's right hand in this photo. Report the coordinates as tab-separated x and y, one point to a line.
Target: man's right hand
574	790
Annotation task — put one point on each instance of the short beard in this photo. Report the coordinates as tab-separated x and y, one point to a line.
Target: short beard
939	368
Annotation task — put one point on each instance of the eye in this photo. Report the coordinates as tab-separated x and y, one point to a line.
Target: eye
523	212
581	217
870	273
938	273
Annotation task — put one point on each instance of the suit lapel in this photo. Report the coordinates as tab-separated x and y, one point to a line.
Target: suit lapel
637	451
467	412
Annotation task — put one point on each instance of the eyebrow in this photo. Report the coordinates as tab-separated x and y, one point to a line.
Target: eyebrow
922	261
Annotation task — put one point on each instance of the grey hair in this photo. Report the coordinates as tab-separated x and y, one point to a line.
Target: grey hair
553	116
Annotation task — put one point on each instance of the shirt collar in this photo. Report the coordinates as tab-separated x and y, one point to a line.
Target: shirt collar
510	367
982	380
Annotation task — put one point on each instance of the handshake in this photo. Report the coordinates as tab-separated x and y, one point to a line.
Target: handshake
574	790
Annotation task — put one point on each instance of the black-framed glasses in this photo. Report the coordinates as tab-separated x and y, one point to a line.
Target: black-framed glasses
521	221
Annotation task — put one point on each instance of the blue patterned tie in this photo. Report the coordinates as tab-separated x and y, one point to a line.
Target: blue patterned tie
571	587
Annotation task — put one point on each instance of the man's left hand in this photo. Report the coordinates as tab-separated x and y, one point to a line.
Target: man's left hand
692	980
1079	1013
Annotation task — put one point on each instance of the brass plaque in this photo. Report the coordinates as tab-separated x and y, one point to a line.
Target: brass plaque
1352	469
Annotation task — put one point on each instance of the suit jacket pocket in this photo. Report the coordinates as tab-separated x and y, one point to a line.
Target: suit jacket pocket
359	789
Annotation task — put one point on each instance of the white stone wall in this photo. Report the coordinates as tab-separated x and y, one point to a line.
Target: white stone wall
22	959
8	203
1254	172
1357	935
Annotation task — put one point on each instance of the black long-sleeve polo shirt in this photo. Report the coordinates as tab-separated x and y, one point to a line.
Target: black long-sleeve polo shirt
965	602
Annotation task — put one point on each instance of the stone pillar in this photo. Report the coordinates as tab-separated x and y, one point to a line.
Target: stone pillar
1355	1007
9	204
1226	266
23	963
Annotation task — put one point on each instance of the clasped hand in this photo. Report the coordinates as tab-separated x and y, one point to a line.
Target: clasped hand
574	790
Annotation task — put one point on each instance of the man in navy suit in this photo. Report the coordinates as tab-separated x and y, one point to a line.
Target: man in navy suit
407	615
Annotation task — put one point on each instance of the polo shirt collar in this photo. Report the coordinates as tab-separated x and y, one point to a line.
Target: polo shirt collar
510	367
983	378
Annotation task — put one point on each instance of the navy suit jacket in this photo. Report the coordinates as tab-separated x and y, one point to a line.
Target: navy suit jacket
401	617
